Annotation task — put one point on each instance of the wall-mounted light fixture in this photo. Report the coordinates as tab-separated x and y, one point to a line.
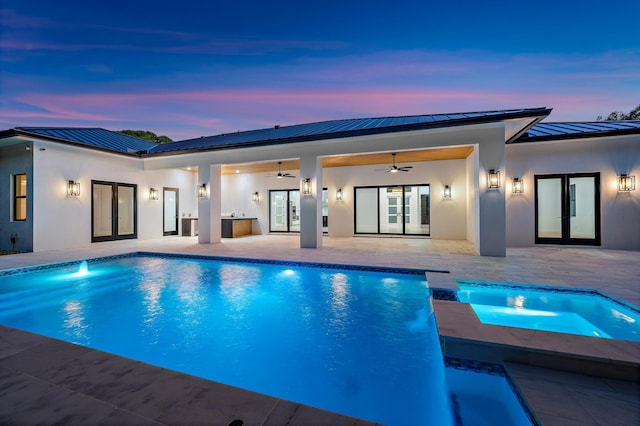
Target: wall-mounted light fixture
517	186
446	193
339	194
306	186
494	179
202	190
255	197
626	183
73	188
153	194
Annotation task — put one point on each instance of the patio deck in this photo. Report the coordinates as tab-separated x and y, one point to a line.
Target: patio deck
46	381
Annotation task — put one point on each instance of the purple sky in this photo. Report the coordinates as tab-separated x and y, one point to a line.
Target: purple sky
214	67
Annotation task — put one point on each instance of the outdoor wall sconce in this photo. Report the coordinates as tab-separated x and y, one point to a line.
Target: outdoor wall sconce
306	186
73	188
517	186
202	190
446	193
626	183
339	194
255	197
153	194
494	179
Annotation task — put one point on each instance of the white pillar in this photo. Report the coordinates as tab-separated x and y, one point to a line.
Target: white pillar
492	203
311	205
209	207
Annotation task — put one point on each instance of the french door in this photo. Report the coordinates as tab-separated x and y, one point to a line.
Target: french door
567	209
113	211
399	210
170	211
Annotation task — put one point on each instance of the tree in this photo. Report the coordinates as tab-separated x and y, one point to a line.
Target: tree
146	135
634	114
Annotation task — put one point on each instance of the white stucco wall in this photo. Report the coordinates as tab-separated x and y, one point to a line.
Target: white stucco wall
448	217
65	222
610	156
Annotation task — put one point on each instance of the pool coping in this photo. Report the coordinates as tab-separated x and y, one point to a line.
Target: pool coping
74	384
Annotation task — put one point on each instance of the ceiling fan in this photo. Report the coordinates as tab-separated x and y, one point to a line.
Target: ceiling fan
394	168
281	175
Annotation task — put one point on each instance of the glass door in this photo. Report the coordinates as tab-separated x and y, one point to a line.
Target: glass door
113	211
391	203
294	210
568	209
126	211
398	210
170	211
278	211
102	211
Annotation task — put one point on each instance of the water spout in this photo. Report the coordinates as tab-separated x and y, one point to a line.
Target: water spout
83	269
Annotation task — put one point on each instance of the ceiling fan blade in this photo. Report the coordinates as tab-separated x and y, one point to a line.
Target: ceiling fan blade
288	175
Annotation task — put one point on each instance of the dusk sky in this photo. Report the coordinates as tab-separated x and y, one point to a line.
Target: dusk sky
193	68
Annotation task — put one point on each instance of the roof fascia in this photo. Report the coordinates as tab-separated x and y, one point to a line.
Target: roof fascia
27	134
539	114
582	135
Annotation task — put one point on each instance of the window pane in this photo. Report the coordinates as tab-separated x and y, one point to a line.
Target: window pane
126	210
416	210
21	185
21	209
170	208
102	196
582	202
391	215
278	219
366	210
549	208
294	215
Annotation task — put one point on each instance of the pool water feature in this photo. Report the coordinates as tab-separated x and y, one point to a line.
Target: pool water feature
562	310
355	341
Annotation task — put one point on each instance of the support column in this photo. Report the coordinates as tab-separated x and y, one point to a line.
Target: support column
209	207
311	205
492	203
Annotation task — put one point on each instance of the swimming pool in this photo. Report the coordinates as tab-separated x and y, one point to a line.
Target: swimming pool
356	341
573	311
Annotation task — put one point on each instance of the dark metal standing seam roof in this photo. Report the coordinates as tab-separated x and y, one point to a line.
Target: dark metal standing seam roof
572	130
93	137
341	128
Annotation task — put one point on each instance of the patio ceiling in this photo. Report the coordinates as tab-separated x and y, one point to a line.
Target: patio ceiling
452	153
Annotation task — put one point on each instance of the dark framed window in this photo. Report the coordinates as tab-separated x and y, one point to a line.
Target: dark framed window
20	197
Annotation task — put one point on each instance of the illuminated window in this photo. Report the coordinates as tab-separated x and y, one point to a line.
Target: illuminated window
20	197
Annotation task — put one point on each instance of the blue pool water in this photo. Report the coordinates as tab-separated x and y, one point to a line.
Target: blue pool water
357	342
582	312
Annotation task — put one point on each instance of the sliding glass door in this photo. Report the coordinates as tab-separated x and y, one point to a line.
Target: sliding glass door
113	211
396	210
568	209
284	210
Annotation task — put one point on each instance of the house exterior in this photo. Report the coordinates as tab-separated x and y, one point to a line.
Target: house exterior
74	187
